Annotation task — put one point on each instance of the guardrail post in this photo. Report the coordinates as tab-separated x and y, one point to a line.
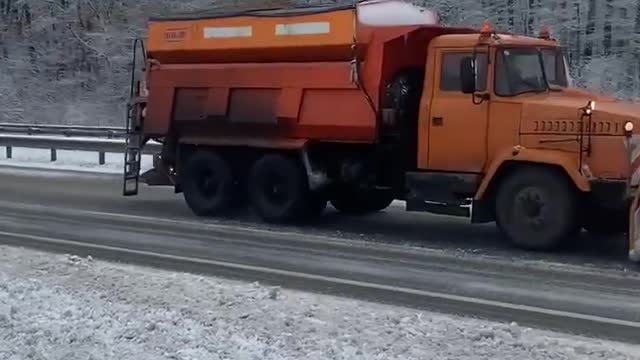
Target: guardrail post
101	158
9	152
54	155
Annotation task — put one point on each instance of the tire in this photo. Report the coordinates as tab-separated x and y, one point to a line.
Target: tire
278	189
361	202
207	184
536	209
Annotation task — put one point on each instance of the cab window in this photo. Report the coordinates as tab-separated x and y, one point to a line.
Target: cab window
450	71
523	70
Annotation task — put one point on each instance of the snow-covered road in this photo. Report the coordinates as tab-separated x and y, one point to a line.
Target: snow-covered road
65	307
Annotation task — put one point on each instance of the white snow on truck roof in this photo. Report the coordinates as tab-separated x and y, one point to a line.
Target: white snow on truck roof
394	13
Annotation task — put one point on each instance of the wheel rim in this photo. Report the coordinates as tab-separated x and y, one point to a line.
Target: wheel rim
531	208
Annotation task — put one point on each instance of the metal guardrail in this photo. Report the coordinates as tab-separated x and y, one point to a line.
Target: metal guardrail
101	146
108	132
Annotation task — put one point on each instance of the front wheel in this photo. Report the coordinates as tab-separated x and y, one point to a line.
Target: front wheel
537	208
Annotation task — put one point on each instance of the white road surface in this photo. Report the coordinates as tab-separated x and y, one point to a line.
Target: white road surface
65	307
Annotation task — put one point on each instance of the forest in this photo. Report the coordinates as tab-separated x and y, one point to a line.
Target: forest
68	61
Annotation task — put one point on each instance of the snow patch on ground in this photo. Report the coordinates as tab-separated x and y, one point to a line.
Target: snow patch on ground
83	161
67	307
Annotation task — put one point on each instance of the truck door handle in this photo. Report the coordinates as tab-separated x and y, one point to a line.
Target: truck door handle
438	121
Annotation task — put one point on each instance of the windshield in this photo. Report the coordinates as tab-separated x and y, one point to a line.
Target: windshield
525	70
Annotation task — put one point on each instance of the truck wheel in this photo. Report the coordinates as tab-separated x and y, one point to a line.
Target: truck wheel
361	202
207	184
278	189
537	209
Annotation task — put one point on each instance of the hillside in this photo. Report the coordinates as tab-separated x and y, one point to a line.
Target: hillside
68	61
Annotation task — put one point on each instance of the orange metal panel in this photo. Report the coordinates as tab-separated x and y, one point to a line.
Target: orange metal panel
310	34
190	104
218	101
329	34
330	75
336	108
316	101
159	110
313	100
289	103
253	106
261	93
567	161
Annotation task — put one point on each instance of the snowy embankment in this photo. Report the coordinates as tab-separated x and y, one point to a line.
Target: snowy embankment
84	161
65	307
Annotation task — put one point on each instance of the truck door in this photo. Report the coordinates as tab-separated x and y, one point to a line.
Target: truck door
457	127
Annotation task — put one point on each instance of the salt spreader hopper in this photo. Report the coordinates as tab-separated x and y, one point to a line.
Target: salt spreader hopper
326	33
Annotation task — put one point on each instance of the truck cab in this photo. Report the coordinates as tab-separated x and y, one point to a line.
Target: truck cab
500	123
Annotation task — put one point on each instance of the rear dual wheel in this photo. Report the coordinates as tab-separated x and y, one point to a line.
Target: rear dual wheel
208	184
279	190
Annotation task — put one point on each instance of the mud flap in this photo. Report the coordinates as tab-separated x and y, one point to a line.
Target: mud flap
160	175
634	229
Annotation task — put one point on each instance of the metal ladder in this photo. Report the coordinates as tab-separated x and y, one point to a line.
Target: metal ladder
133	151
135	137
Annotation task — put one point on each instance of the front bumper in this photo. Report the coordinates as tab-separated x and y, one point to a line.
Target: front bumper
634	228
619	198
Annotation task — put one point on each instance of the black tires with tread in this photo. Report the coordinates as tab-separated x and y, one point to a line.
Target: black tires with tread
537	208
279	190
207	183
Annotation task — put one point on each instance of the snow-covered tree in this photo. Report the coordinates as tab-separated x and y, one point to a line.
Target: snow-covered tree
69	60
602	37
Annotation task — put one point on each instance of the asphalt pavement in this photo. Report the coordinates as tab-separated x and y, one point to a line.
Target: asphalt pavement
417	260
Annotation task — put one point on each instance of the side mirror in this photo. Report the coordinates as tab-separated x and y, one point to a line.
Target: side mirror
468	75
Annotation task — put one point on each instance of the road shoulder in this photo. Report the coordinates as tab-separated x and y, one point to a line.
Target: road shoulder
70	307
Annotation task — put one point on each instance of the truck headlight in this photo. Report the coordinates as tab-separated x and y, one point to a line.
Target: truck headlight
589	109
628	128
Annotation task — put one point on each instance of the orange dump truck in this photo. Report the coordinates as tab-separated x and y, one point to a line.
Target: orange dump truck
287	110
